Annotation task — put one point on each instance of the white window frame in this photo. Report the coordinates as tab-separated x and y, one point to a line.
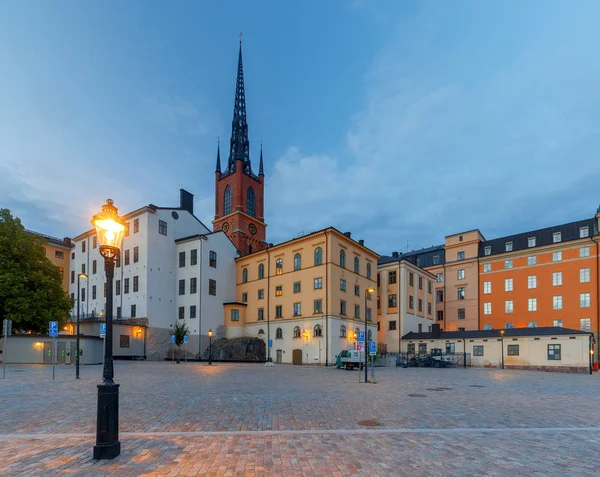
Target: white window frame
508	246
532	324
440	278
532	304
556	279
487	267
487	327
460	274
509	325
508	264
584	252
585	324
531	282
531	242
487	308
557	256
584	275
487	250
557	302
557	323
557	237
509	284
532	260
487	288
585	300
584	232
509	306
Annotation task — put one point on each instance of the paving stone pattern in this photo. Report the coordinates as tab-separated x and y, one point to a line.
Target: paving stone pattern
227	420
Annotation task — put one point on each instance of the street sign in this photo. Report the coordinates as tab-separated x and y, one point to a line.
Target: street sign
372	348
185	338
361	336
53	328
102	330
360	347
172	338
7	328
270	343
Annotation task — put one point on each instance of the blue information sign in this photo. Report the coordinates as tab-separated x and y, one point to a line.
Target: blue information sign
172	338
361	336
372	348
102	330
53	328
185	338
270	343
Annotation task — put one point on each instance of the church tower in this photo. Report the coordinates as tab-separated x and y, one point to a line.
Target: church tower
239	201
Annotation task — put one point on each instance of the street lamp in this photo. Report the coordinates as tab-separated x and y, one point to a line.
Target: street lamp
209	347
502	339
368	291
81	275
109	230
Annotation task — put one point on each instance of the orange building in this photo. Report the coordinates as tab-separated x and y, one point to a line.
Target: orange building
58	251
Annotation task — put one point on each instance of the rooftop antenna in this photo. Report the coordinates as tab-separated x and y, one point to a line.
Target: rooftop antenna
407	244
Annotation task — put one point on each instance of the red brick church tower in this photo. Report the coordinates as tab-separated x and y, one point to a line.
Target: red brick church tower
239	201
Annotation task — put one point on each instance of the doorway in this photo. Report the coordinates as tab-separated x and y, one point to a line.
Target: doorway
48	352
279	357
297	356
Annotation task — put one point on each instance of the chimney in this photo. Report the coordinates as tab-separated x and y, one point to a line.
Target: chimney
186	201
361	242
348	234
435	330
67	241
395	254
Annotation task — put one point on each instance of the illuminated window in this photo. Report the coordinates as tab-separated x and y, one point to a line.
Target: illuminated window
279	266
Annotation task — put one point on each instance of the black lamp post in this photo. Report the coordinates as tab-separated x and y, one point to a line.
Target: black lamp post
109	229
368	291
502	339
81	275
210	347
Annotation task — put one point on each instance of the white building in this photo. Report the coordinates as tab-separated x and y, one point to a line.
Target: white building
172	267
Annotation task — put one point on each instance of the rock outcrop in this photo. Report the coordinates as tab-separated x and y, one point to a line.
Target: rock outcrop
238	349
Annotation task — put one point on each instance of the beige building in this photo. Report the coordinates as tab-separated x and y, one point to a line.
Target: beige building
405	301
58	252
307	295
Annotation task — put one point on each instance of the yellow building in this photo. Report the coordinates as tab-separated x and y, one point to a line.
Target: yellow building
405	301
307	295
58	251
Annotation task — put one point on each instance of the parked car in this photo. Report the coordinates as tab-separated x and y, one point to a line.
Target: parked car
350	359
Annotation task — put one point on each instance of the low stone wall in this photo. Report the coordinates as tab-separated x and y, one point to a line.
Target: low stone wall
237	349
554	369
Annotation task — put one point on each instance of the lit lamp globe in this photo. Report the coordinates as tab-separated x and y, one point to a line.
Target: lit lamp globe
109	230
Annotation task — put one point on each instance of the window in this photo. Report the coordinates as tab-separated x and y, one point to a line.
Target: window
261	271
212	259
72	255
420	308
227	201
296	287
584	300
356	265
556	256
235	315
61	270
297	261
181	312
440	316
212	287
342	285
104	290
508	264
136	226
342	331
298	332
584	275
487	250
508	284
428	286
422	346
378	280
83	247
261	294
136	282
181	287
508	306
532	304
460	256
181	259
487	308
556	237
118	312
245	275
487	327
136	254
585	324
118	261
421	282
391	278
342	307
411	302
279	290
278	333
124	341
368	314
379	326
279	266
508	246
94	267
509	324
244	297
317	331
194	257
532	282
356	311
553	352
127	257
487	288
126	229
250	207
126	286
487	267
556	279
478	350
192	311
584	252
513	350
368	270
429	308
342	259
118	287
83	268
297	309
461	293
439	277
94	242
557	323
392	301
532	324
411	279
133	311
73	276
436	259
391	325
531	260
461	274
162	227
439	295
278	311
317	306
58	254
357	290
557	302
93	292
531	242
318	256
318	283
584	232
450	348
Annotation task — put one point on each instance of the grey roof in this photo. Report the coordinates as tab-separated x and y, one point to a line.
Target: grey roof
421	258
508	333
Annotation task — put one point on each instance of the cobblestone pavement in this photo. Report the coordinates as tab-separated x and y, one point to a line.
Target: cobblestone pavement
227	420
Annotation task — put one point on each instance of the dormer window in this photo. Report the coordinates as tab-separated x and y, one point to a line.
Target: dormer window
508	246
556	237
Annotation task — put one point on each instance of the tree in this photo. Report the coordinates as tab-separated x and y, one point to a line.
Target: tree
31	292
180	331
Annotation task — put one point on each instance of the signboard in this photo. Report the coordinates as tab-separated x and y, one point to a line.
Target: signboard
102	330
53	329
7	328
172	338
270	343
372	348
185	338
360	347
361	336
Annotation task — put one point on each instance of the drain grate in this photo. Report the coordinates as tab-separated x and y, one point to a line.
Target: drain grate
445	389
369	423
433	389
476	386
417	395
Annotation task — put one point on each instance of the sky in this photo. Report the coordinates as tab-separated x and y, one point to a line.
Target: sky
399	121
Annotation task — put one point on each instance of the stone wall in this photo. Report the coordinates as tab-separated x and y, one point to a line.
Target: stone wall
237	349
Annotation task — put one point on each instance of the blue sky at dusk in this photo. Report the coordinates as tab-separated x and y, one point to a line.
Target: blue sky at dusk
396	120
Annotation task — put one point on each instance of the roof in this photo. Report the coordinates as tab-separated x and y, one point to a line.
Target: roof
54	240
421	258
508	333
543	237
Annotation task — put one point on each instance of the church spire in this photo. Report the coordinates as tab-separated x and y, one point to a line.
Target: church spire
218	156
239	149
261	171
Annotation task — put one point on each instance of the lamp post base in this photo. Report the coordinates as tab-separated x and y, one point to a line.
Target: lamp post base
107	427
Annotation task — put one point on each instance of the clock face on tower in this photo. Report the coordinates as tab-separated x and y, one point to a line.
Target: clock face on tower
225	227
252	229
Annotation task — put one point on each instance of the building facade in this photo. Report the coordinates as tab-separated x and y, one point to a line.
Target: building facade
58	251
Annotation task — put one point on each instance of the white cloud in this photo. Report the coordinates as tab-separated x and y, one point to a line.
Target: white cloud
175	114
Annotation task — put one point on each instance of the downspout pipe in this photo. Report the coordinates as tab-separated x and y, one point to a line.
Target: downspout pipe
268	305
326	301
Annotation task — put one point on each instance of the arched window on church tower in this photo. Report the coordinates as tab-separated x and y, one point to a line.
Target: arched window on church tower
227	201
250	208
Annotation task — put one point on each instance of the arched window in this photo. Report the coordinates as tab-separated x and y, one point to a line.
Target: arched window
317	331
261	332
297	332
279	266
342	331
368	270
250	202
369	336
227	201
261	271
356	265
279	333
297	261
318	256
342	259
356	333
244	275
